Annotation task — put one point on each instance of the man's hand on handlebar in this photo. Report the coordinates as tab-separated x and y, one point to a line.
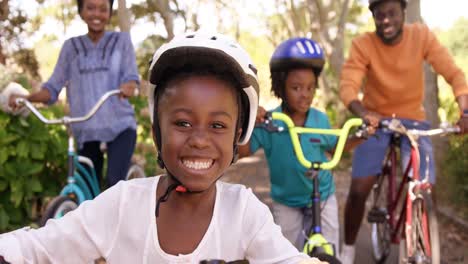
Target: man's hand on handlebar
372	119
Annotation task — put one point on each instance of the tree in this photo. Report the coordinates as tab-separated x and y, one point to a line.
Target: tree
13	23
124	16
431	92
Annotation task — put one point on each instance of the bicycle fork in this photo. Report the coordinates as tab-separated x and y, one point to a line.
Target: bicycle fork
315	242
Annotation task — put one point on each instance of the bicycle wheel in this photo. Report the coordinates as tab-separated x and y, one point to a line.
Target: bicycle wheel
377	217
425	233
135	171
58	207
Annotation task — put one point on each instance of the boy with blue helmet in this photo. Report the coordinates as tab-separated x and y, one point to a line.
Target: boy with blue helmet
295	67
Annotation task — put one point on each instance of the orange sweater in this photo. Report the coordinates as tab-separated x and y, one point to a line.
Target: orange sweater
395	77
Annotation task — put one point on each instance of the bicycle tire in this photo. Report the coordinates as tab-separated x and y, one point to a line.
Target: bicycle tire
135	171
380	228
424	224
58	207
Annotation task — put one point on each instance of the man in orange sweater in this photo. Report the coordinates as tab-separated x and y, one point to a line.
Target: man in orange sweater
391	61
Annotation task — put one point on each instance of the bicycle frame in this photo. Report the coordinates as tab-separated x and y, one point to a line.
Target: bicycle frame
81	183
414	189
313	167
395	195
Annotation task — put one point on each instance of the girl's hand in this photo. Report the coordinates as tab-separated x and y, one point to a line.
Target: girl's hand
261	112
127	89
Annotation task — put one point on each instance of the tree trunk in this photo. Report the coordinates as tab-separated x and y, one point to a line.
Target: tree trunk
431	93
124	16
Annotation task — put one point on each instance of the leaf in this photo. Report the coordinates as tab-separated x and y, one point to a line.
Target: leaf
4	219
23	122
17	197
3	157
3	185
22	149
38	151
35	185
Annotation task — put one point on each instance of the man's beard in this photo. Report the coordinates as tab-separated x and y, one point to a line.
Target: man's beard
390	40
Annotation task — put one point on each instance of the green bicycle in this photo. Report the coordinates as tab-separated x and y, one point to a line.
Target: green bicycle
82	183
315	245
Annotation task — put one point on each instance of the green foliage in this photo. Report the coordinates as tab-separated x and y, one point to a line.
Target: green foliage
456	169
32	165
252	44
145	53
13	24
145	152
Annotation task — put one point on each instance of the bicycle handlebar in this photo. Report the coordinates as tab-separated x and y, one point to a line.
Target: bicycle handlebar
294	132
395	125
66	119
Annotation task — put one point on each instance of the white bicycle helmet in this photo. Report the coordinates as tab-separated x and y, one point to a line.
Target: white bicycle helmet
212	51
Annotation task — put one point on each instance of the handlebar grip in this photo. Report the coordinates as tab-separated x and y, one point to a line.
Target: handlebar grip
20	101
362	132
268	124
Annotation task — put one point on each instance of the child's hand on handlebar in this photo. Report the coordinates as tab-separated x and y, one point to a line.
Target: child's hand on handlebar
261	112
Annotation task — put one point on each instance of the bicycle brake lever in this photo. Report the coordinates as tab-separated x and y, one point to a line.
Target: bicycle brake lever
268	124
362	131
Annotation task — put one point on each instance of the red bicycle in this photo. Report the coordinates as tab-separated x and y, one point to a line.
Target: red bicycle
403	213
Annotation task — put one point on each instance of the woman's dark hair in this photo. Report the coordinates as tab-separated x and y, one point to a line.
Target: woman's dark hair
81	2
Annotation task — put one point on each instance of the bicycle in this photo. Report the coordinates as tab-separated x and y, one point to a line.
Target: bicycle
82	183
415	230
315	243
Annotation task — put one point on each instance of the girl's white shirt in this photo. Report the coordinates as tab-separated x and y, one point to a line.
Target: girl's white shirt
120	225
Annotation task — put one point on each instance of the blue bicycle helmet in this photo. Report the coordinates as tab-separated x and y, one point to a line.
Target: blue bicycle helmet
298	53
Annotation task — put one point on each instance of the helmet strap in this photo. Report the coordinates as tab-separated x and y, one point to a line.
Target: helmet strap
165	196
160	160
234	154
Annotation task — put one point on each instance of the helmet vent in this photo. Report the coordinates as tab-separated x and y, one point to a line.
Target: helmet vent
301	47
190	36
213	38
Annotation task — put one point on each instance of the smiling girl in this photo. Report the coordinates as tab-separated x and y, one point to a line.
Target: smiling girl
203	100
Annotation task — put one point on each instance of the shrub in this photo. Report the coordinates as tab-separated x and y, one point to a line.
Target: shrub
456	168
32	165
